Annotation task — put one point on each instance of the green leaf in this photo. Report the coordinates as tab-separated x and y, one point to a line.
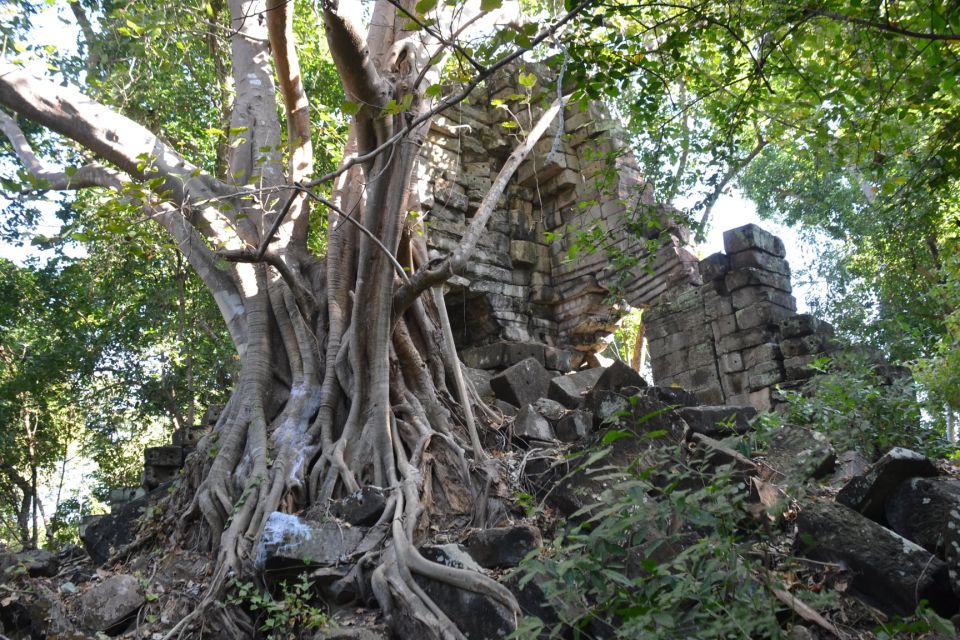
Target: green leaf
490	5
613	435
350	108
527	79
424	6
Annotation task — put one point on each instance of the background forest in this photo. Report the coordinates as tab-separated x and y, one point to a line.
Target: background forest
840	118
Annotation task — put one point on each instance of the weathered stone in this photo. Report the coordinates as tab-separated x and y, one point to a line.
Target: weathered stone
673	396
919	510
523	383
108	533
374	632
767	295
530	426
481	382
166	456
714	266
803	325
569	389
731	362
756	277
849	464
477	616
716	454
893	573
765	374
751	236
289	542
744	339
111	603
714	421
723	326
760	354
501	354
608	407
801	346
868	493
614	378
550	409
153	476
503	546
38	562
574	426
795	454
757	259
761	314
951	545
362	508
798	367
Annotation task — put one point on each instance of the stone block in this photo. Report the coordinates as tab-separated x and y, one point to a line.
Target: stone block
154	475
718	421
712	394
529	426
730	362
574	426
558	359
797	367
735	280
289	542
477	616
751	236
110	603
803	324
187	437
919	510
696	379
723	326
503	547
757	259
716	306
796	454
735	383
868	494
672	396
617	377
762	314
714	266
569	389
744	339
362	508
167	456
802	346
893	573
526	254
523	383
764	375
760	354
755	294
39	563
501	354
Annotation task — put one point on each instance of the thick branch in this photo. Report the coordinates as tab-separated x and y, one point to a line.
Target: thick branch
113	137
90	175
280	28
731	173
437	272
356	67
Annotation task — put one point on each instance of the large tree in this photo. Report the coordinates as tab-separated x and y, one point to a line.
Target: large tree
345	359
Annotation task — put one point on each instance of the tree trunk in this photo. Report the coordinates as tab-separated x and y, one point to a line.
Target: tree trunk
345	364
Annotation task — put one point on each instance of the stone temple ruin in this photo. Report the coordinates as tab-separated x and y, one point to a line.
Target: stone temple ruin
725	328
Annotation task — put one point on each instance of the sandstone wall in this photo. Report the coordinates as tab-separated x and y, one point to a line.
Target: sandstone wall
734	338
527	292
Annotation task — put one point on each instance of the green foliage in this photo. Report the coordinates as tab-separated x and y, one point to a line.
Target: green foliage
663	555
288	617
857	407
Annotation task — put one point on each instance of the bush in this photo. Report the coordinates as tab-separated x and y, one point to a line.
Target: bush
663	555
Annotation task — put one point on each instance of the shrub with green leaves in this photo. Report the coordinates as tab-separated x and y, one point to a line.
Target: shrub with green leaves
290	616
857	406
667	553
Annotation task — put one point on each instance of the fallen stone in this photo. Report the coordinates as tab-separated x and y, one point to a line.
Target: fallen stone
363	508
477	616
919	510
674	396
550	409
38	563
717	455
481	382
106	534
951	549
569	390
574	426
529	426
523	383
796	454
615	378
714	421
111	603
289	542
503	546
888	570
867	494
849	464
607	408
